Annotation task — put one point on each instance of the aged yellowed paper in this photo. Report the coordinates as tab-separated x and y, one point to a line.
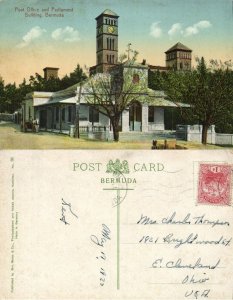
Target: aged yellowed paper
116	225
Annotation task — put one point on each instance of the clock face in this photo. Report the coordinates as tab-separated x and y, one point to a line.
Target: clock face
111	29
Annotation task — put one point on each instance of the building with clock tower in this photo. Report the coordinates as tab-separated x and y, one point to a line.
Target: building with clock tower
145	109
106	41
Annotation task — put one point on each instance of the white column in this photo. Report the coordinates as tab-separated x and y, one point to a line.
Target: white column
188	133
159	118
211	135
145	117
72	129
125	120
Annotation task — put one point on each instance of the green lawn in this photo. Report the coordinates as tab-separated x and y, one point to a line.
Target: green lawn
12	138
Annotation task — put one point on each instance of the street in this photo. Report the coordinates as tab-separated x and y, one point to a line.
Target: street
12	138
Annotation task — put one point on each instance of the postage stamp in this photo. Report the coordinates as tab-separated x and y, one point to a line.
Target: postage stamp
214	184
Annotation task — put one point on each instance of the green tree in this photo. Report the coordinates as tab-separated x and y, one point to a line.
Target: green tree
2	95
52	85
74	77
12	98
156	79
24	88
208	90
39	83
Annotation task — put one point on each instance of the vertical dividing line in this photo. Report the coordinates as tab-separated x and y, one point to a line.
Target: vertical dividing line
118	239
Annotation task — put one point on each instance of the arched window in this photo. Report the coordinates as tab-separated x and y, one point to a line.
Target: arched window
186	66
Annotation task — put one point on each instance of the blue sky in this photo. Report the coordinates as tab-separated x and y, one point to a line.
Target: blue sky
28	44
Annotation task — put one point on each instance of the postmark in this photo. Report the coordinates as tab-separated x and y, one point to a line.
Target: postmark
119	181
214	184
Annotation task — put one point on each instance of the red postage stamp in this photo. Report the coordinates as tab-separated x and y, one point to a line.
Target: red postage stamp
214	186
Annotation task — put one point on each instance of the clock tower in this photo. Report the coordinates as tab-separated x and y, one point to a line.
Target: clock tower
106	41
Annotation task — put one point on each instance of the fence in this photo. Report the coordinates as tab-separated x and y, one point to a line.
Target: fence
193	133
6	117
86	129
224	139
92	132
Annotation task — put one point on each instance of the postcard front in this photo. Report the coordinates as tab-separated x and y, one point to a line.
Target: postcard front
77	225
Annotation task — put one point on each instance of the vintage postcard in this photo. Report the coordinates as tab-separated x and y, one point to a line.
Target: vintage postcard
148	84
116	74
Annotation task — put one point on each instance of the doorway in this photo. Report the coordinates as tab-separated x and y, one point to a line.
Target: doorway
135	116
43	118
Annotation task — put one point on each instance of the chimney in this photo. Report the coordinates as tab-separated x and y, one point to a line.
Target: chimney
50	72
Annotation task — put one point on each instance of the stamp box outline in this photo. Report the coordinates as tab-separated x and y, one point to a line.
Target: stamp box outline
225	202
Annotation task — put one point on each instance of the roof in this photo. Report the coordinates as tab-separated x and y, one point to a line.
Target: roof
69	92
159	99
178	46
50	68
108	12
133	64
36	94
69	96
71	100
161	102
163	68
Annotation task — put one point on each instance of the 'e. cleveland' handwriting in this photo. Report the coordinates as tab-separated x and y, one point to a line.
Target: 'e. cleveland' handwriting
66	206
180	264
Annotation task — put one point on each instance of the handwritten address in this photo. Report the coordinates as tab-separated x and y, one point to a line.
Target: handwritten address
197	270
